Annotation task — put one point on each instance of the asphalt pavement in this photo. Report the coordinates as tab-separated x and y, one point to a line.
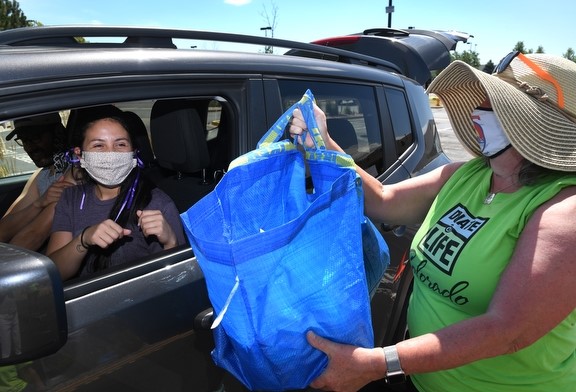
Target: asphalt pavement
450	144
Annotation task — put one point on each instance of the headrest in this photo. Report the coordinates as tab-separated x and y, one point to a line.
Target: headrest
342	131
178	136
140	135
82	116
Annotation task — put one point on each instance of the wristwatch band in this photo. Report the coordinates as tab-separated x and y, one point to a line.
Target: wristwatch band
394	372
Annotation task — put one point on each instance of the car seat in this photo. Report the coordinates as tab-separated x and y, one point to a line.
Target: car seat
343	132
141	139
82	116
179	142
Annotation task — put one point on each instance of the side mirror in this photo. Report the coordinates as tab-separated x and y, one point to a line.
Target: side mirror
32	309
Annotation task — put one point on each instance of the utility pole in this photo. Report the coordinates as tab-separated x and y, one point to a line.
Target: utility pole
267	48
389	11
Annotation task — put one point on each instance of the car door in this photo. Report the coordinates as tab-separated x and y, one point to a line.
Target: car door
360	119
144	326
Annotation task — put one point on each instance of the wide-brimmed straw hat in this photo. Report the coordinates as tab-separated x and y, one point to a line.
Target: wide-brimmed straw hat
533	97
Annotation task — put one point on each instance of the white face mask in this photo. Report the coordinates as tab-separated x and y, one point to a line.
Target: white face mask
108	168
491	137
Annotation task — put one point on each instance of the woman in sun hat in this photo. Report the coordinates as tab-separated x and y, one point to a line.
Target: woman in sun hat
494	260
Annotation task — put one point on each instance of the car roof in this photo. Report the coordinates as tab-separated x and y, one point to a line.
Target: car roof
37	63
149	37
53	51
413	53
40	59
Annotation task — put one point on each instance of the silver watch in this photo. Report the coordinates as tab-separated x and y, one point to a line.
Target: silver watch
394	372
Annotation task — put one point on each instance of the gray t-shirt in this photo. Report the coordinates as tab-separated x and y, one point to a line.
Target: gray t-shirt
71	218
45	178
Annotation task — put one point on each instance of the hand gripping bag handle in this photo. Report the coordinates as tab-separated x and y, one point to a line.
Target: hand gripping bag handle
318	151
306	106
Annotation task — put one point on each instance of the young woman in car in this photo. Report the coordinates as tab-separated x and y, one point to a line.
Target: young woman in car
116	215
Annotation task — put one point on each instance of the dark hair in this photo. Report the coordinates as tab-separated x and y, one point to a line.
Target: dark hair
529	173
59	138
120	212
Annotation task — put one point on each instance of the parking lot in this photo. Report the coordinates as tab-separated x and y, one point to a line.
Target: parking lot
13	158
450	143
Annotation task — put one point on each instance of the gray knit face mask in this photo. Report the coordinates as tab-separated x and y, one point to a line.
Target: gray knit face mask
108	168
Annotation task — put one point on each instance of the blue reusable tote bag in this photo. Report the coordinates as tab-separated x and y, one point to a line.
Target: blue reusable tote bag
280	261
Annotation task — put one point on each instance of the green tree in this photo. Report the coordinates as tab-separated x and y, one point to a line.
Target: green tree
522	48
570	55
468	56
11	16
489	67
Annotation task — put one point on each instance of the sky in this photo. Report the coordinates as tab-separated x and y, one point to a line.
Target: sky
497	25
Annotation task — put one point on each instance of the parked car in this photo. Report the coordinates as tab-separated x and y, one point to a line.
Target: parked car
144	326
417	52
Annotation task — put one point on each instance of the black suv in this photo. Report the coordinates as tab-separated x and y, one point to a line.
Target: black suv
144	326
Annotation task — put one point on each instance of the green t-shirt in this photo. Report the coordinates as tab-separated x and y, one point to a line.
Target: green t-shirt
457	257
10	381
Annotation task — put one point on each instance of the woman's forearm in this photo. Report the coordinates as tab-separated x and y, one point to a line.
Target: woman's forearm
457	345
35	234
69	257
14	222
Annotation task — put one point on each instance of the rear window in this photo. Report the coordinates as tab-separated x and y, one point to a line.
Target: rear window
14	160
400	116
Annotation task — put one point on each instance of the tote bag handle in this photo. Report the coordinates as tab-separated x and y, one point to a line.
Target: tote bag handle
306	106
